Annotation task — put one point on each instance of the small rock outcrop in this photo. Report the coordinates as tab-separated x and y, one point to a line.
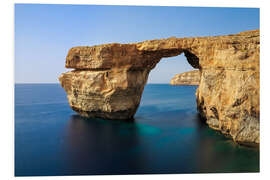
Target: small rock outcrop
186	78
108	80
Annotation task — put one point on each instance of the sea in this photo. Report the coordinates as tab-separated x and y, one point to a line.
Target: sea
167	136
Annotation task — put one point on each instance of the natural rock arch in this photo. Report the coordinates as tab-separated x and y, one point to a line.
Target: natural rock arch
109	79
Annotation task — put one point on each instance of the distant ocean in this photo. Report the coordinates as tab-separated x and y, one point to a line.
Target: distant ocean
167	136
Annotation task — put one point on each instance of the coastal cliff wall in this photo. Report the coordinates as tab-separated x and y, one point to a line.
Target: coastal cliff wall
108	80
186	78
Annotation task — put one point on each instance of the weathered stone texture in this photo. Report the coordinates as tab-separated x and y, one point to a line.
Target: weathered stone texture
186	78
108	79
112	94
229	100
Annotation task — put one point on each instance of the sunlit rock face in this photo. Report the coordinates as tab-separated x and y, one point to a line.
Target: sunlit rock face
186	78
109	79
110	94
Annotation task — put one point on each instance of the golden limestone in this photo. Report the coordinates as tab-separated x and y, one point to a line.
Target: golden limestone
108	80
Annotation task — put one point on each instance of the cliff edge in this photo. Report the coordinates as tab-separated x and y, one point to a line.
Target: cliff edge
186	78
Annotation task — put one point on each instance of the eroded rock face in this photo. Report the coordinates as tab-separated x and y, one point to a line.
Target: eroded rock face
109	79
229	101
111	94
186	78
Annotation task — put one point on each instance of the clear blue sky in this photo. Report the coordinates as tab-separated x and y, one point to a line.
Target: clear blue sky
44	33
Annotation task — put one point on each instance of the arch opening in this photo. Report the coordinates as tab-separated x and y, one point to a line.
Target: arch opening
171	64
161	96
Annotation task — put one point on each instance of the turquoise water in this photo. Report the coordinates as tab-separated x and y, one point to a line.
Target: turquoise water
167	136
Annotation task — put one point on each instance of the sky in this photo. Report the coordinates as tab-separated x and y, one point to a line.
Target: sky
44	33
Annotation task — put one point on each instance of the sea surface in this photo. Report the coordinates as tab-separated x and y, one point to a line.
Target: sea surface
167	136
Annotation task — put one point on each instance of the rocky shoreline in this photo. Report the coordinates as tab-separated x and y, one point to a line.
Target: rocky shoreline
186	78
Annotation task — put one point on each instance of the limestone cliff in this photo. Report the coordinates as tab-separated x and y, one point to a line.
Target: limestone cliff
186	78
109	79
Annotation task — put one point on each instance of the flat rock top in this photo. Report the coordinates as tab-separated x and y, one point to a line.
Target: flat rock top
147	53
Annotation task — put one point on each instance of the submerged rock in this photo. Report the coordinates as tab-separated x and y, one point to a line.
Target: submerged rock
109	79
186	78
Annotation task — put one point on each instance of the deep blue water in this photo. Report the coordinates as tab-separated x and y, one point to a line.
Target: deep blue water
167	136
